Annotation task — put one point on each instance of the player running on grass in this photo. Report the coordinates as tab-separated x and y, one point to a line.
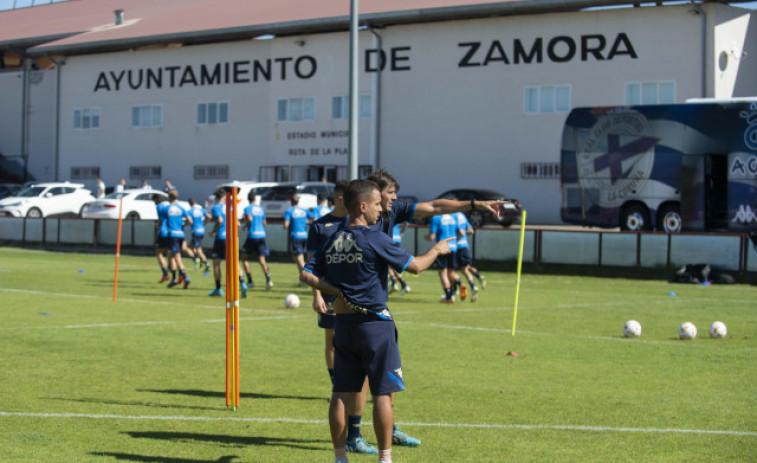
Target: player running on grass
353	264
254	245
174	216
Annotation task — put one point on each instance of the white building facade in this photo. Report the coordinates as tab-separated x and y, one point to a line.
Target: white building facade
462	103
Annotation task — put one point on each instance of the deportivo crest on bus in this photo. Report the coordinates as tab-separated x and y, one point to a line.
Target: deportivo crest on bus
616	155
344	249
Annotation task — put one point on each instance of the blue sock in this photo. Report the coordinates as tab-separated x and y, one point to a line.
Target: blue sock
353	427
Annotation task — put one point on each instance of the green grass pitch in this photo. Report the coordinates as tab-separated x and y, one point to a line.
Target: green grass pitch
85	379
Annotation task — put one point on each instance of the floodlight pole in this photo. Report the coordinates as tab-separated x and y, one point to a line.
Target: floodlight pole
352	162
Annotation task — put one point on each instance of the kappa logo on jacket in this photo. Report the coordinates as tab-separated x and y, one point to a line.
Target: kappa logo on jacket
344	249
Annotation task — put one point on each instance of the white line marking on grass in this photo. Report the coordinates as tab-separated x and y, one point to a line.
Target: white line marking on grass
555	427
219	320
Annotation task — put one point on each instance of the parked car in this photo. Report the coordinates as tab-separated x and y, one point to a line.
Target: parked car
10	189
45	199
245	188
137	205
508	214
276	201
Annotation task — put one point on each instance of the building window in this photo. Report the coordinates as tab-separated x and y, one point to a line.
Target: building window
663	92
212	113
296	109
208	172
86	118
541	170
82	173
340	106
546	99
147	116
145	172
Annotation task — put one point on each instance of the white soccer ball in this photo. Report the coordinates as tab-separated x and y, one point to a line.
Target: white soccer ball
292	301
718	330
687	330
632	329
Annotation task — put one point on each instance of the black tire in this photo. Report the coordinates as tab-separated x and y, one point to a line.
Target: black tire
506	224
635	217
133	215
669	218
476	218
34	213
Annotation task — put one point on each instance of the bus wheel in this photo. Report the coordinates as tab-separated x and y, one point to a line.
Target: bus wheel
669	219
634	217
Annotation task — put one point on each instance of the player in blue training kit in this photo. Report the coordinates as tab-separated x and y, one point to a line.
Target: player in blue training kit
161	239
353	264
464	257
218	217
395	277
198	233
444	227
254	245
296	222
175	215
320	209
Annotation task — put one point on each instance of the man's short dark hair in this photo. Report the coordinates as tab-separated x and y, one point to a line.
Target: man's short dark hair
220	193
357	192
320	198
251	196
191	201
341	187
294	200
383	179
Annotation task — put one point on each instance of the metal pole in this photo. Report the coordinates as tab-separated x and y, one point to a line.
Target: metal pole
352	162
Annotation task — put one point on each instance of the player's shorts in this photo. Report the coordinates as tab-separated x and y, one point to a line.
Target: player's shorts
161	242
255	247
327	321
197	240
464	257
297	246
365	346
219	249
447	261
174	244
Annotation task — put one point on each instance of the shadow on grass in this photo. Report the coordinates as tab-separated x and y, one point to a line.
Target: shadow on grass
133	457
238	441
220	394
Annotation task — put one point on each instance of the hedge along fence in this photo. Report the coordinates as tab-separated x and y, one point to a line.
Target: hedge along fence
724	251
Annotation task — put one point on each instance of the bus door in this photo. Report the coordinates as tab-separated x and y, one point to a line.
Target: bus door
716	191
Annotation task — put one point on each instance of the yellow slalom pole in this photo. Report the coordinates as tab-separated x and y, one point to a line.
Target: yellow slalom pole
118	247
520	265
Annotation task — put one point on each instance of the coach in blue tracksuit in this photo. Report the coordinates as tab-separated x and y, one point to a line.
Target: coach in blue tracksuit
353	264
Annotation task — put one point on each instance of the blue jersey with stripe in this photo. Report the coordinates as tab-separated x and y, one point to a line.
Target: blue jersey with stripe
298	222
319	211
399	213
462	227
163	230
257	217
444	226
175	216
198	217
322	229
356	260
219	210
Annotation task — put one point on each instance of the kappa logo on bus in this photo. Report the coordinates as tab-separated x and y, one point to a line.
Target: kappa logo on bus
744	215
616	156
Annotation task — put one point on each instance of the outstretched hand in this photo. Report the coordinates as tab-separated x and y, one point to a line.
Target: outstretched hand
490	206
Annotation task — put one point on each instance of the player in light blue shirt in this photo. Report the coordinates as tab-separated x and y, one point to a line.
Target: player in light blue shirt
321	209
465	257
198	233
296	222
443	227
395	277
254	245
161	238
174	216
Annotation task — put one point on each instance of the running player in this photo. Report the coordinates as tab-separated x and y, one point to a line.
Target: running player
175	215
464	256
198	233
161	239
444	227
296	222
254	245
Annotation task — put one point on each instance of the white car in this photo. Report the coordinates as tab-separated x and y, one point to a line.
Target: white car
244	192
137	205
46	199
276	201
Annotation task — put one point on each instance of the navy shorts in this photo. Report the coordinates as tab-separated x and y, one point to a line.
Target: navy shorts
447	261
174	244
463	257
255	247
161	242
197	240
365	346
297	246
219	249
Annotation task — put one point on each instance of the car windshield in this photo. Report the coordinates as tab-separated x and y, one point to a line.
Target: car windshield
280	193
32	192
491	194
116	195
